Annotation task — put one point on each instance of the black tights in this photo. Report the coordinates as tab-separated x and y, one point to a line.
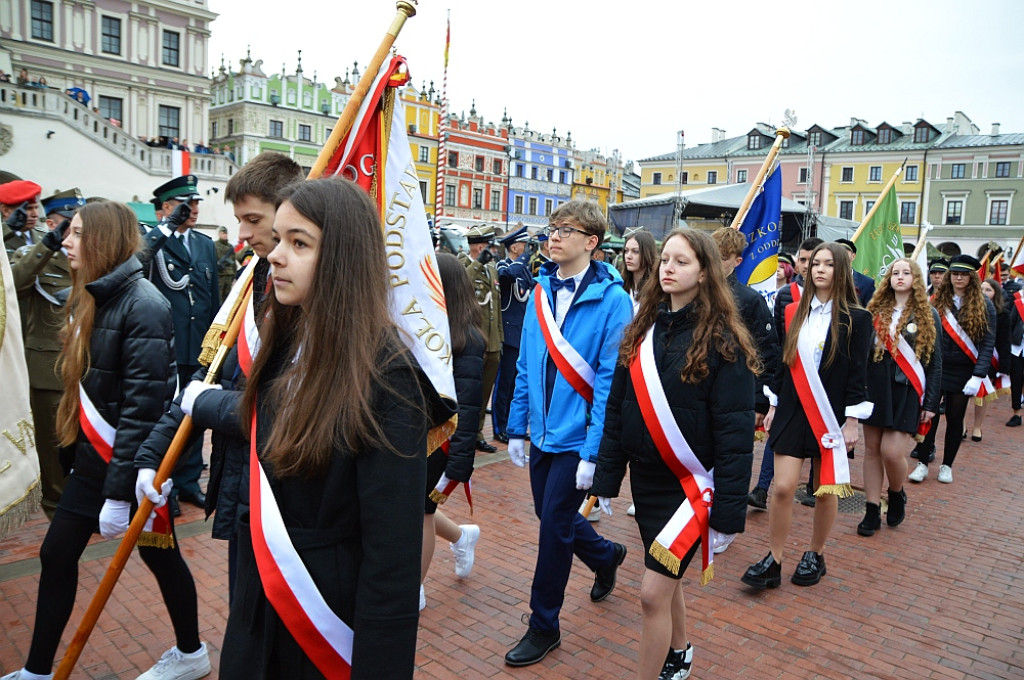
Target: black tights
62	547
956	410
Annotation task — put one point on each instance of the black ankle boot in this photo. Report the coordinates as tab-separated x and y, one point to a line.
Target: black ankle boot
872	520
897	507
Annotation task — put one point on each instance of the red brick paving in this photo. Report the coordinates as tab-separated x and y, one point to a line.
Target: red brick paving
942	596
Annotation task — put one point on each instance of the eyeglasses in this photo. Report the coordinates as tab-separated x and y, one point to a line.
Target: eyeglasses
564	232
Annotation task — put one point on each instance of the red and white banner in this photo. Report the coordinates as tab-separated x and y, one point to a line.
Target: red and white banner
1017	265
690	523
290	589
834	474
573	367
180	164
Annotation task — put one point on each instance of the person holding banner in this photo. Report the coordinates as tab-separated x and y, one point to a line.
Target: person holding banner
681	414
818	396
998	372
119	376
904	377
969	334
329	550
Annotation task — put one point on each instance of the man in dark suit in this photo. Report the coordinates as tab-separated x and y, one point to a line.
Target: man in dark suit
183	266
515	283
864	285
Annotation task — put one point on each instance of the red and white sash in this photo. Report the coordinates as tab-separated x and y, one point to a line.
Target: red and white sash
446	487
573	367
795	291
1018	303
101	434
967	346
903	354
834	474
323	636
690	522
248	339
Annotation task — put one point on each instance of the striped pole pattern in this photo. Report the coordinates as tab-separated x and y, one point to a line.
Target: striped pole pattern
442	131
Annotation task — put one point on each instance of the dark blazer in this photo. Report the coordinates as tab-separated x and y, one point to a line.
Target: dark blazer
864	286
716	416
1003	341
758	320
957	368
881	372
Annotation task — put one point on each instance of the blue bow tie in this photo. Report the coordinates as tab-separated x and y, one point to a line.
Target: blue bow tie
557	284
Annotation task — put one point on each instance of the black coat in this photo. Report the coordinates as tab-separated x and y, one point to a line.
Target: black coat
358	527
716	416
957	368
758	320
885	371
131	375
1002	345
468	370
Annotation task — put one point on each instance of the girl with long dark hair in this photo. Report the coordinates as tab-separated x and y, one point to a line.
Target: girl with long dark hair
640	260
681	413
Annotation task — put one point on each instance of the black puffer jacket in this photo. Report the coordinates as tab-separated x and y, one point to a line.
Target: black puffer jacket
131	377
468	370
759	321
716	416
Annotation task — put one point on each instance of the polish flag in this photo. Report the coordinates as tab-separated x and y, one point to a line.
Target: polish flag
179	163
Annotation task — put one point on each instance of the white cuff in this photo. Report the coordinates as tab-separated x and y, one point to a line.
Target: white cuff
773	399
1016	350
165	229
860	411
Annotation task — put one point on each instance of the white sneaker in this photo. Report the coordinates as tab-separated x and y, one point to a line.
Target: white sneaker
465	549
920	472
423	598
945	474
632	510
722	542
25	675
175	665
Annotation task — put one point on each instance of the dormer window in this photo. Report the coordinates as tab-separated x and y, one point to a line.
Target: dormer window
814	139
884	136
921	134
857	138
754	142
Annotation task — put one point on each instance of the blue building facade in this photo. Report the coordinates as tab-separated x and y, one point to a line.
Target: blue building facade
541	175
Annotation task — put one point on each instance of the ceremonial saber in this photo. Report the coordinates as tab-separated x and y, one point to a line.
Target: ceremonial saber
124	551
741	214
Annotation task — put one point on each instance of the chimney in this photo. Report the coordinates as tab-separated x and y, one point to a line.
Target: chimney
995	129
715	132
949	124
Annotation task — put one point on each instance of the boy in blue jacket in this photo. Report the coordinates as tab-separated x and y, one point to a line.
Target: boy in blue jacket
567	356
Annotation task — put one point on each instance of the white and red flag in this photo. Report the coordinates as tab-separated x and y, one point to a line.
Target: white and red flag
180	164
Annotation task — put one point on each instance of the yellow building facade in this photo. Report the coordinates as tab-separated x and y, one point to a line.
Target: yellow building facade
422	118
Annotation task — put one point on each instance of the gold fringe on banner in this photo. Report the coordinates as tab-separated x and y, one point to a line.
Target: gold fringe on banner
152	539
707	575
665	557
15	514
438	497
211	341
841	490
439	434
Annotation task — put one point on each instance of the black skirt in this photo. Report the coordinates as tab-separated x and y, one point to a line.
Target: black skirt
796	439
657	495
436	464
896	403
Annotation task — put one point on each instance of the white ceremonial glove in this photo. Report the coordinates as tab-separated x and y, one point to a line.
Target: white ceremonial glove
144	488
114	518
585	475
194	389
605	504
517	452
972	386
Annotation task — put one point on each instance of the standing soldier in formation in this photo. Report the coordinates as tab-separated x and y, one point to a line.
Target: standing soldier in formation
516	282
184	269
484	276
226	269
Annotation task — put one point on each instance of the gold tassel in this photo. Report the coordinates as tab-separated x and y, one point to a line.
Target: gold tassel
665	557
707	575
841	490
211	343
152	539
438	497
760	436
919	438
439	434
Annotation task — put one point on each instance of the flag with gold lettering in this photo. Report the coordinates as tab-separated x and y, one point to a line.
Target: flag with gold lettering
880	242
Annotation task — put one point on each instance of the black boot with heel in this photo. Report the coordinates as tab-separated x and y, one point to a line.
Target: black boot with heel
872	521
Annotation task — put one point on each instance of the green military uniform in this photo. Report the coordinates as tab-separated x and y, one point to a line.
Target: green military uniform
225	265
536	260
488	294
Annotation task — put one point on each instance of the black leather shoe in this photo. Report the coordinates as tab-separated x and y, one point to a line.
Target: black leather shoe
758	498
482	445
765	574
175	508
810	570
604	578
897	507
534	646
503	438
1013	422
872	521
197	499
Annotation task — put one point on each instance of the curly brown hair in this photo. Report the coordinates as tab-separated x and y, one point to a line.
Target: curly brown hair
973	315
718	323
918	309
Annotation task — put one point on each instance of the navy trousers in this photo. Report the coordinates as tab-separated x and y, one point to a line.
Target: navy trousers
563	533
506	386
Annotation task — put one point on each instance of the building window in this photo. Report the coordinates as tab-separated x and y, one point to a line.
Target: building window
533	175
754	142
453	160
908	212
684	178
424	154
496	166
305	133
478	163
884	136
997	212
921	134
276	129
561	176
846	210
911	173
802	176
847	175
171	56
954	211
519	205
712	177
214	126
533	204
551	175
423	192
868	205
495	200
814	138
857	138
449	194
1003	169
656	178
110	41
957	170
741	176
547	206
231	126
111	108
478	198
875	173
168	118
42	20
520	170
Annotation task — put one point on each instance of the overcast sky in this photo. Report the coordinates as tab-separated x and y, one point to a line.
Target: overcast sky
629	75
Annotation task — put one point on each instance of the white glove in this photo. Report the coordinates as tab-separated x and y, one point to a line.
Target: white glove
517	452
972	386
194	389
605	504
144	488
114	518
585	475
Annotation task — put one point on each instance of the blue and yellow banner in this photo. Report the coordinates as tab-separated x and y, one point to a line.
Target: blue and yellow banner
762	228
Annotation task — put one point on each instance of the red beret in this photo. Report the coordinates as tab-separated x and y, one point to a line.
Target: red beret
19	191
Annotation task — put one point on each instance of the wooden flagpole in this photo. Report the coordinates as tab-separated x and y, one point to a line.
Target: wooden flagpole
741	214
1016	253
921	240
878	202
124	550
405	9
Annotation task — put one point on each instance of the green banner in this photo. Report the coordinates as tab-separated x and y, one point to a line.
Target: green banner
880	242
